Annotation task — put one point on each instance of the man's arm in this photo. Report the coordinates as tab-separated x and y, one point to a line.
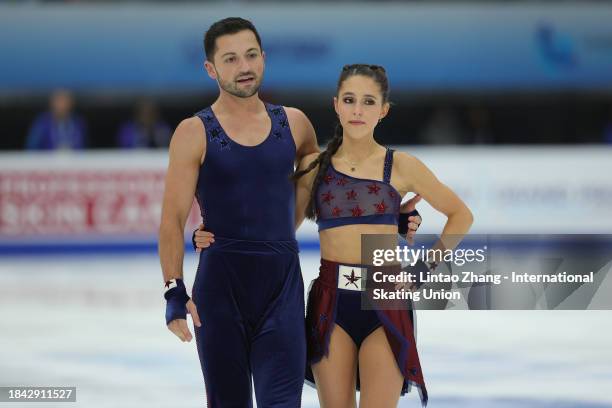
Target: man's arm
303	188
307	149
186	150
303	134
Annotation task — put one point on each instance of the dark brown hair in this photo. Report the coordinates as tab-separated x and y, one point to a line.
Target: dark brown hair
230	25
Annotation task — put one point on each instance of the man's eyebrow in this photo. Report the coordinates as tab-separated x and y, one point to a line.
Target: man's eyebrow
233	53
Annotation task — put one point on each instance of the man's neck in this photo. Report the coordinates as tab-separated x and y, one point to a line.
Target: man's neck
227	103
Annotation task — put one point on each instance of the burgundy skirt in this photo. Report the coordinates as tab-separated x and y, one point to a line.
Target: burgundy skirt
398	327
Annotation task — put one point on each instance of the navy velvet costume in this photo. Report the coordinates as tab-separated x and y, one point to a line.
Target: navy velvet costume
249	289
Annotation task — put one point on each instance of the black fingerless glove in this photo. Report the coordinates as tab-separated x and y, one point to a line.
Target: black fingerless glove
402	224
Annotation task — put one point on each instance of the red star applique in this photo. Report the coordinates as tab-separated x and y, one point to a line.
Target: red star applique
380	207
352	279
392	194
336	211
328	178
342	181
357	211
373	188
351	195
327	197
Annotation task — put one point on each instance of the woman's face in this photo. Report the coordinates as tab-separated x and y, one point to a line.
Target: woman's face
360	106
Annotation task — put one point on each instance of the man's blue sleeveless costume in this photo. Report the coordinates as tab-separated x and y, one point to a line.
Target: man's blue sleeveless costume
248	289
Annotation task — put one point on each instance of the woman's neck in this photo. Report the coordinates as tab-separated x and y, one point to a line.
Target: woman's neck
356	150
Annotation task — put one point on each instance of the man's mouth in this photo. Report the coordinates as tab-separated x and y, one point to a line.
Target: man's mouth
246	80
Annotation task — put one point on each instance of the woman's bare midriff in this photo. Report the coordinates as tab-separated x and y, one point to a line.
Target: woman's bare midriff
343	244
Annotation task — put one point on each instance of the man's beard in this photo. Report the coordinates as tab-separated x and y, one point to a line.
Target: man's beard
231	87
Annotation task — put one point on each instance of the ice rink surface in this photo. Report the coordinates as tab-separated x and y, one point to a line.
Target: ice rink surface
97	323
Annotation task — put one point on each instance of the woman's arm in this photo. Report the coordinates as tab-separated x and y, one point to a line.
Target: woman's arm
416	177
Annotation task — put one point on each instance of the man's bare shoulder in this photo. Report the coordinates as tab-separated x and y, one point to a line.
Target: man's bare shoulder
303	131
295	115
190	127
188	138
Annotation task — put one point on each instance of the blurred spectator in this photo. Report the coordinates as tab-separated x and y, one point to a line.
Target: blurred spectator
58	128
443	128
479	125
145	130
607	135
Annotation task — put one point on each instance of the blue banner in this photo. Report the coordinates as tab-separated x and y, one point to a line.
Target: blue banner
439	47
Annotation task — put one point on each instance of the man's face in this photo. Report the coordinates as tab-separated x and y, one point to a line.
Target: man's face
238	64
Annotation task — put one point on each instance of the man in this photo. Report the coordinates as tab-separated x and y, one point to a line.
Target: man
236	157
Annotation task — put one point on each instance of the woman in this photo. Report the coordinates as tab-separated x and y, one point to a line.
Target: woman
355	187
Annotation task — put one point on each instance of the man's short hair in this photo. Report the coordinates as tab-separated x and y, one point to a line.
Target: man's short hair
229	25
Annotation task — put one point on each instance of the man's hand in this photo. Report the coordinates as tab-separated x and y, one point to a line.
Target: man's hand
413	221
202	239
179	326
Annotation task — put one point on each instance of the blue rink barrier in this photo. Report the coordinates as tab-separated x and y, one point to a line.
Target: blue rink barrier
47	249
599	242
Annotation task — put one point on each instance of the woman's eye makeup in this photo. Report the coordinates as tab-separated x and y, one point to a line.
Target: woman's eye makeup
367	101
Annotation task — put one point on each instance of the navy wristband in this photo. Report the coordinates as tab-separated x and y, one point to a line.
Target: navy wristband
402	224
176	300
